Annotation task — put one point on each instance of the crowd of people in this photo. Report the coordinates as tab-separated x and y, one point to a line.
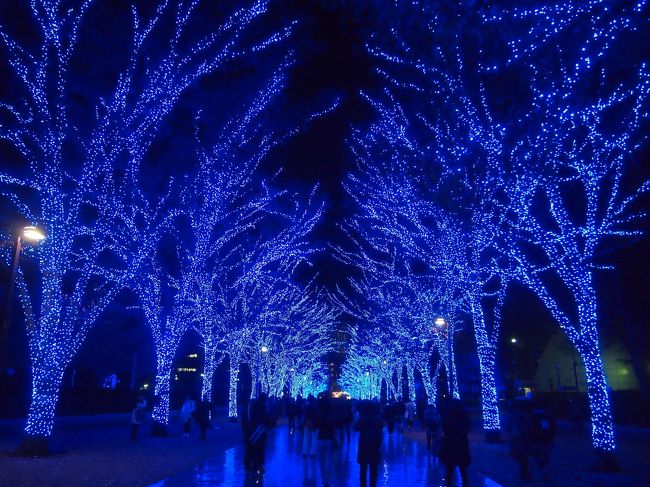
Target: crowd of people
191	412
325	425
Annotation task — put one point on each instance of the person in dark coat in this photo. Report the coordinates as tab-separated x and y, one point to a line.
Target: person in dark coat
542	439
202	417
522	425
255	425
389	416
455	444
326	422
370	427
290	409
310	415
432	428
348	417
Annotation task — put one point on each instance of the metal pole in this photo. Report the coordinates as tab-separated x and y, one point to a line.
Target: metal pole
6	309
575	372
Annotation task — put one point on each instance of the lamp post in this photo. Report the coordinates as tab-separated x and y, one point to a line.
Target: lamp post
261	369
31	235
515	364
441	327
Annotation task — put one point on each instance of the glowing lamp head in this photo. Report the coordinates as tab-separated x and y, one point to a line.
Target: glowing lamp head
33	234
513	340
264	349
440	323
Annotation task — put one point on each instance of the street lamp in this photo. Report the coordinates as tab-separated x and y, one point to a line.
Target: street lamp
29	234
33	234
440	326
258	385
513	340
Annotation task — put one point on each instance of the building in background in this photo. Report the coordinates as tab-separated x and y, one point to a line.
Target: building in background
561	369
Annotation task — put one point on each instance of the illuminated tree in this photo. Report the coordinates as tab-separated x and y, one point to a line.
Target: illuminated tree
297	332
247	279
78	202
574	198
452	241
539	191
225	200
574	191
402	307
440	195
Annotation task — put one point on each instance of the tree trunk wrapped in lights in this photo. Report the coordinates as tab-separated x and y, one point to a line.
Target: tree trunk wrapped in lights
233	386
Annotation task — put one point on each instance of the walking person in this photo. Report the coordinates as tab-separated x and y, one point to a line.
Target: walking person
521	432
290	409
432	429
326	423
255	425
400	414
202	416
310	429
187	411
370	427
137	417
455	444
542	439
348	418
390	416
410	415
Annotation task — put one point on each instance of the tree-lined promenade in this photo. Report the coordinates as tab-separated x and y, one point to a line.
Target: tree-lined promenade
506	148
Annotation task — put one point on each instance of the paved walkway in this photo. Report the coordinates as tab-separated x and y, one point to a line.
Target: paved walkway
405	464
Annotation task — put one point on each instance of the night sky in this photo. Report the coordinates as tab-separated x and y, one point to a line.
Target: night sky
330	63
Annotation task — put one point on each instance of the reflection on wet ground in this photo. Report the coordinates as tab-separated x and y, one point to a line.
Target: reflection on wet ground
404	463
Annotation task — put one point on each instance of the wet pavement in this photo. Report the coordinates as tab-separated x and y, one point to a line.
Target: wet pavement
405	463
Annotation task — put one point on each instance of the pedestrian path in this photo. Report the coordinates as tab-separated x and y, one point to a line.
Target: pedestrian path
405	463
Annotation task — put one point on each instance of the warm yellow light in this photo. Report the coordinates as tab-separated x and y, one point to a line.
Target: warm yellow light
33	234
